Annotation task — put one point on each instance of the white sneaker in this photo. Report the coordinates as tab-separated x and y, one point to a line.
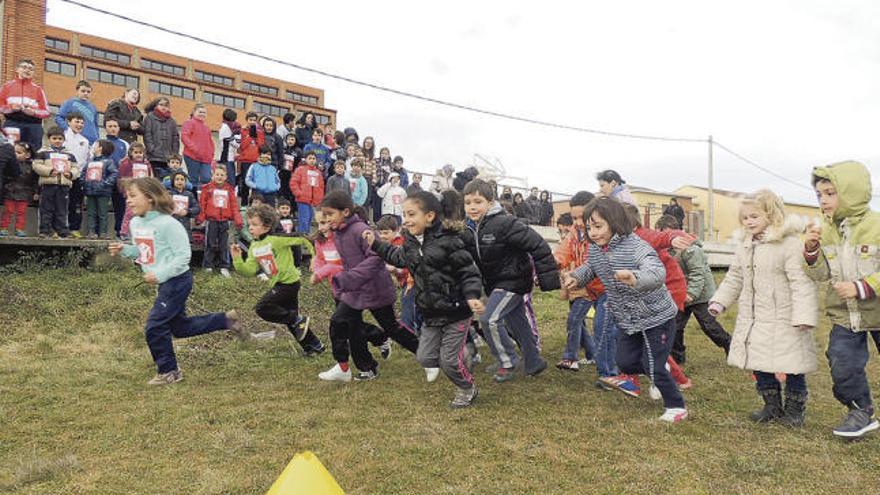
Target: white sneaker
335	374
432	373
654	393
585	362
674	415
263	277
209	270
225	272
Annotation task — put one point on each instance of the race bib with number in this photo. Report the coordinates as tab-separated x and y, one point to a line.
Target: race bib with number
140	170
145	241
396	199
13	134
313	176
95	172
181	203
331	255
266	259
287	225
220	199
288	162
353	184
60	162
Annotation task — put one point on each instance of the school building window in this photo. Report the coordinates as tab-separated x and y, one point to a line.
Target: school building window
322	119
172	90
269	109
214	78
115	57
174	70
259	88
307	99
222	100
58	67
115	78
56	44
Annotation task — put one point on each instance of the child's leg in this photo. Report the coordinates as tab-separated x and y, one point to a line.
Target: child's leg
347	337
606	334
796	384
386	319
710	326
657	342
47	208
91	215
303	217
59	221
75	204
118	211
280	304
517	322
766	381
678	346
847	355
500	343
408	309
575	327
103	209
453	359
212	244
223	245
20	210
532	319
8	211
428	354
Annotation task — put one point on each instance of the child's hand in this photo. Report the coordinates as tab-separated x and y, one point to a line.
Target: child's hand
476	306
683	242
150	278
53	173
688	299
811	239
369	236
314	280
716	308
569	282
846	290
69	175
115	248
235	250
625	276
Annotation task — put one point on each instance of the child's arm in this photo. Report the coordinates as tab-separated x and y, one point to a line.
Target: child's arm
383	190
524	238
814	257
694	259
466	273
651	274
277	182
246	267
804	301
236	215
42	166
203	205
730	288
61	116
289	240
112	175
295	181
393	255
249	178
370	267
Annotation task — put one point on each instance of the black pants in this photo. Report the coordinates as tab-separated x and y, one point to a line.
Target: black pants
708	324
216	244
349	334
75	206
118	210
646	352
281	305
53	209
244	192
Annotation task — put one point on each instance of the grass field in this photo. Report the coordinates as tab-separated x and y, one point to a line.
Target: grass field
77	416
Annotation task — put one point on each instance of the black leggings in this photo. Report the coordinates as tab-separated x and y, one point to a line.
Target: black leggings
349	334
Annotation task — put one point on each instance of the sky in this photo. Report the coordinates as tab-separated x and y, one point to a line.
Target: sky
788	84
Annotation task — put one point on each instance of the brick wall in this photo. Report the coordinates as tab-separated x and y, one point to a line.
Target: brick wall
24	28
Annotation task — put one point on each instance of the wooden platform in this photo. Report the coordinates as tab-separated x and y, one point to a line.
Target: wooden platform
11	242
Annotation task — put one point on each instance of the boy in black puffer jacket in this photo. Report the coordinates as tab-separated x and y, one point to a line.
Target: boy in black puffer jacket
504	249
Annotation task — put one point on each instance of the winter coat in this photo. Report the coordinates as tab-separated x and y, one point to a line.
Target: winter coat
273	256
635	309
25	93
252	137
192	204
160	244
338	183
661	242
392	199
197	142
23	187
444	273
523	211
125	114
276	144
120	149
442	180
505	248
263	177
546	215
850	247
535	210
307	185
43	165
572	253
697	272
775	296
99	177
359	189
161	137
127	171
364	283
462	178
87	110
222	208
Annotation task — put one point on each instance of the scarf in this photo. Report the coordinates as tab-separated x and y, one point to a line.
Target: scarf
161	114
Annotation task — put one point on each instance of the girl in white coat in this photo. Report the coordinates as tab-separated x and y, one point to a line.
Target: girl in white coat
777	307
392	196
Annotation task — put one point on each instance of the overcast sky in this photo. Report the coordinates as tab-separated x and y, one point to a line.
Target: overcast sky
789	84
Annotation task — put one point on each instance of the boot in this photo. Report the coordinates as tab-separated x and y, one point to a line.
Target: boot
772	406
795	408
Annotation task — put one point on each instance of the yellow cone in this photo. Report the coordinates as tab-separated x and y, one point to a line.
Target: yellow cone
305	475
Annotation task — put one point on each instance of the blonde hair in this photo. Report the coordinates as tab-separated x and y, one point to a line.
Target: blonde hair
768	204
154	190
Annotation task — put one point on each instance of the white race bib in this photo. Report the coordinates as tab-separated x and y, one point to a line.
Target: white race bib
396	199
288	162
287	225
60	162
95	172
181	203
331	255
220	199
140	170
313	176
145	241
266	259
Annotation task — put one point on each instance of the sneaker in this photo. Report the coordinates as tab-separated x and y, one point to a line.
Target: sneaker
263	277
300	328
568	364
432	373
4	233
42	235
503	375
314	351
586	362
172	376
209	270
225	272
540	369
235	327
335	374
856	423
687	384
76	234
464	397
55	235
654	393
622	383
385	349
365	376
674	415
476	359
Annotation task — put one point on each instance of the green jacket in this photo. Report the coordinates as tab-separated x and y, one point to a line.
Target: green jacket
695	265
272	255
850	246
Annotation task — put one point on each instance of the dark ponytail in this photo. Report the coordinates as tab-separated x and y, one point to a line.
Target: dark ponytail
341	200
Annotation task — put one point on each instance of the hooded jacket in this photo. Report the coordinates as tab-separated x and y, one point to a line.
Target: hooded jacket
307	184
126	171
695	265
252	137
99	177
197	142
272	255
364	282
160	244
393	197
850	247
263	177
661	242
220	208
505	248
25	93
161	137
775	295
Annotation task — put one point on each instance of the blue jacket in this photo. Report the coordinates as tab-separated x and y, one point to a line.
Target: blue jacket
160	244
263	177
89	112
105	185
322	153
192	208
120	149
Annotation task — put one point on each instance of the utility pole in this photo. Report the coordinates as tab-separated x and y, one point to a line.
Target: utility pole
711	195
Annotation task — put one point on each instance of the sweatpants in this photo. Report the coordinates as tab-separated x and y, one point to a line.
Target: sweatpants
847	356
644	352
168	319
53	209
532	318
97	208
216	244
348	334
281	305
708	324
444	347
75	205
508	308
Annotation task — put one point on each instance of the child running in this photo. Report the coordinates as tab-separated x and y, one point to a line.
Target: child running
271	254
777	308
633	276
160	246
363	284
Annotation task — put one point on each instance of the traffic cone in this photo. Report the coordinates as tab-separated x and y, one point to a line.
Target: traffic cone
305	475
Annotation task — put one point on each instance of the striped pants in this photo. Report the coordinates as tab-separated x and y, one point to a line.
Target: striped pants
444	348
505	312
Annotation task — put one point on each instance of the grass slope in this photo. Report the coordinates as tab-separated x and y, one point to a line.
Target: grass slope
77	416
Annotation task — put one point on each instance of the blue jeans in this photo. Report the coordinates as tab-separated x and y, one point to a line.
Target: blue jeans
409	313
304	214
168	318
31	133
578	336
199	172
793	383
847	356
605	335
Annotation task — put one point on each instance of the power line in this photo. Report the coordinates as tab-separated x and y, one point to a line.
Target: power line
762	168
385	88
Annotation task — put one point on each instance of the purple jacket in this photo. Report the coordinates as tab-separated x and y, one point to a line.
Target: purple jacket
364	282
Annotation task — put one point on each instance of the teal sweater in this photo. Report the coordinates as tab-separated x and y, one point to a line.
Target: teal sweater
160	245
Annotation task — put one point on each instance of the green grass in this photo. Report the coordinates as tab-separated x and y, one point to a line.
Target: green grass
77	416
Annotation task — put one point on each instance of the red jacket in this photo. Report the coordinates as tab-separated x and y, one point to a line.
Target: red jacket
676	283
249	151
571	253
27	94
220	209
126	171
307	184
197	142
